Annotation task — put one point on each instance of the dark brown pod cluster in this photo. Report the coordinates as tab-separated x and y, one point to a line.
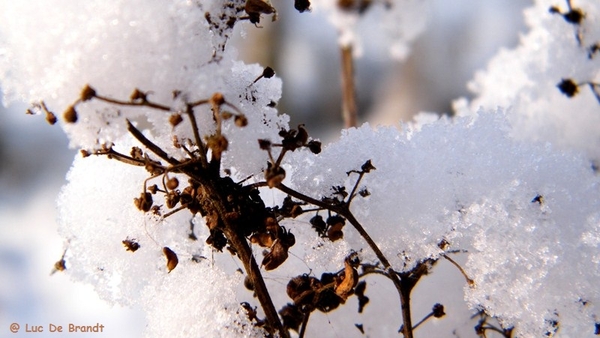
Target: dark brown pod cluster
332	228
293	139
309	293
278	252
131	245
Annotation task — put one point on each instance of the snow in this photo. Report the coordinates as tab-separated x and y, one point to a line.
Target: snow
511	182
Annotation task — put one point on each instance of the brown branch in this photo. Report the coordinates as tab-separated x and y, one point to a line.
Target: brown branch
349	109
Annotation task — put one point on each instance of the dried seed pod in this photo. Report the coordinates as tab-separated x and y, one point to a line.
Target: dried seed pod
218	144
367	167
314	146
248	283
302	5
319	225
271	225
254	8
226	115
443	244
87	93
50	117
301	289
538	199
175	119
131	245
334	231
364	192
144	202
292	317
241	120
172	259
274	258
137	153
568	87
172	199
438	310
172	183
302	135
70	115
349	280
274	176
264	144
60	265
217	239
268	73
265	240
212	220
137	95
153	189
217	99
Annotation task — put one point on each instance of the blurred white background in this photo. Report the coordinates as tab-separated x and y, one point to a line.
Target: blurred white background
34	157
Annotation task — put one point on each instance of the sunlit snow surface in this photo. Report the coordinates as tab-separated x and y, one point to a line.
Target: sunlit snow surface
472	180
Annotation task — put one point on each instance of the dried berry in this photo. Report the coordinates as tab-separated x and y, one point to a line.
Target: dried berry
131	245
87	93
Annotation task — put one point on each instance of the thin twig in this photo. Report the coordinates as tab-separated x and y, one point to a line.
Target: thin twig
143	103
199	143
470	281
149	144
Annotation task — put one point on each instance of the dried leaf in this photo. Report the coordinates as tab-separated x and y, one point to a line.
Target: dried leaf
172	259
